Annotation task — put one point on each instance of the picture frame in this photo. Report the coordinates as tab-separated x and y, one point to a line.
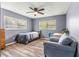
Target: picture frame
11	23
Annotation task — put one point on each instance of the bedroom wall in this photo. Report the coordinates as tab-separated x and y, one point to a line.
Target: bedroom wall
10	33
73	21
60	24
60	20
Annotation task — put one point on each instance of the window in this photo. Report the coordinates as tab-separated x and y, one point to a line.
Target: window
50	25
14	23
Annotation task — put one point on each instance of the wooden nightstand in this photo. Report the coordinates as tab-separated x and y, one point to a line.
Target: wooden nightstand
2	38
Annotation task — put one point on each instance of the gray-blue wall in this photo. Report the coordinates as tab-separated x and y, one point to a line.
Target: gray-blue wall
32	24
10	33
60	24
73	21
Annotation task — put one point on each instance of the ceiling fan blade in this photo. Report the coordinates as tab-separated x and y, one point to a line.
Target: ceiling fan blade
31	8
41	9
40	13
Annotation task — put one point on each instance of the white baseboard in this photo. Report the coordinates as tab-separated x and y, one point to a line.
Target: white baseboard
10	43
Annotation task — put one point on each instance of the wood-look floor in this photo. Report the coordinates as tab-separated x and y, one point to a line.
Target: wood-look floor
32	49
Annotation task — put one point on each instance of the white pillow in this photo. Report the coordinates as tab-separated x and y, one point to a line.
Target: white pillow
62	38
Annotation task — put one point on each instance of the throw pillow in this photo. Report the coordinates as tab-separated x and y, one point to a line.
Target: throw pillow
62	38
67	41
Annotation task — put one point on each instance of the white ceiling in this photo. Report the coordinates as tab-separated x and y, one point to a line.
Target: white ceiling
51	8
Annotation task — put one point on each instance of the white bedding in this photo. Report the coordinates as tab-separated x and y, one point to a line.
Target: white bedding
35	34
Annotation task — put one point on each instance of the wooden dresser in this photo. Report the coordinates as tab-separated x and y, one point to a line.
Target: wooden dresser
2	38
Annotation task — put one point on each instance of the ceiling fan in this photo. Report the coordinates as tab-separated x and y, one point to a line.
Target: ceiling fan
36	10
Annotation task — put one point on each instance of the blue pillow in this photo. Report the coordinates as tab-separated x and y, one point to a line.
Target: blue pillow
67	41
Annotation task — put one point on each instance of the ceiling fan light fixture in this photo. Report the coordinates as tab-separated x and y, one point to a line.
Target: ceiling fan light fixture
35	13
